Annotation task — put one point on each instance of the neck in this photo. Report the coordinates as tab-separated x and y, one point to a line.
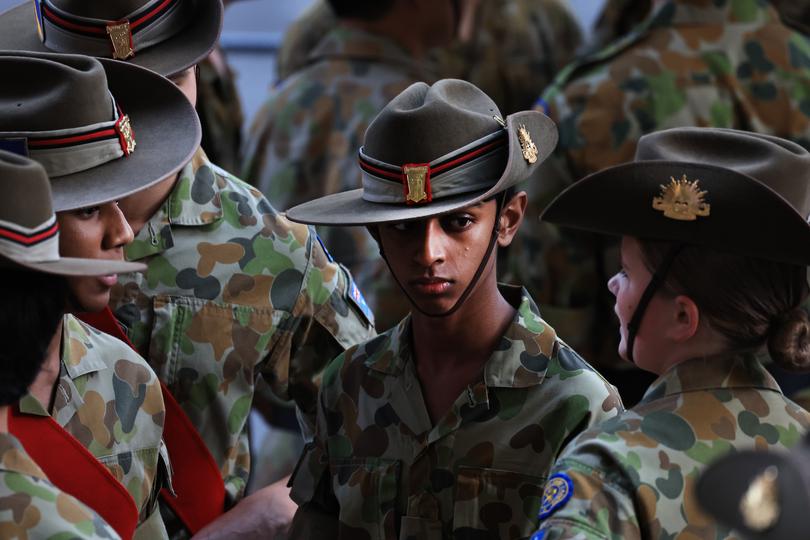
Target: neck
393	29
468	335
4	411
141	206
45	382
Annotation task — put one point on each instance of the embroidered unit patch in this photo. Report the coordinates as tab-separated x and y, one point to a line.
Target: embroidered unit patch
356	298
558	490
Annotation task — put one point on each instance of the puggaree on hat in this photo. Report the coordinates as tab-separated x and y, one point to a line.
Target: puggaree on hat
29	232
432	150
166	36
741	192
102	129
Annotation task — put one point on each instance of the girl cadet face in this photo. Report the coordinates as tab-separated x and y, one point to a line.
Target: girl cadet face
96	232
654	340
434	259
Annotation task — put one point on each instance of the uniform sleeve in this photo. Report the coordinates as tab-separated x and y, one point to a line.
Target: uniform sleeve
587	498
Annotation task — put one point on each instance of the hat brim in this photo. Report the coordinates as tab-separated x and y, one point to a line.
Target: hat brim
167	133
349	207
746	217
70	266
18	31
724	483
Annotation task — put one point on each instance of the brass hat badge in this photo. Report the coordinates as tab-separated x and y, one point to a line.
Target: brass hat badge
527	144
121	40
682	200
759	505
417	183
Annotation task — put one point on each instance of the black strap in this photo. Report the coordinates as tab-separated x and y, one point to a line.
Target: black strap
501	201
657	279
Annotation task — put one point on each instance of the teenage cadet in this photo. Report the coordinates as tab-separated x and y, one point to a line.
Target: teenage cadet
704	285
35	293
232	289
445	425
95	129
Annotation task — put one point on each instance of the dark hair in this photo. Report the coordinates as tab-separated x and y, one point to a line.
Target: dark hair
33	305
368	10
751	302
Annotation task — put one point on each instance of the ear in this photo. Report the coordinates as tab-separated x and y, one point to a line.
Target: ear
686	319
511	218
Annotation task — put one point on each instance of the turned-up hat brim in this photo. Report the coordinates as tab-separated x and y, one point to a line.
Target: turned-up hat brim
18	31
721	488
349	207
167	133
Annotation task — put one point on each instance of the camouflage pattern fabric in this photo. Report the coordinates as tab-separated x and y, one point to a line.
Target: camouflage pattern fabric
304	142
479	471
220	112
715	63
233	290
32	507
633	477
110	400
302	36
517	48
616	19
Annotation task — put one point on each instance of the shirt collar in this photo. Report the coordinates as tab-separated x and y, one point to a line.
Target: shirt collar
712	373
195	200
345	42
520	360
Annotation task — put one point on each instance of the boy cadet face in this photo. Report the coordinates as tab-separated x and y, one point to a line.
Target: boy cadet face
97	232
434	259
651	343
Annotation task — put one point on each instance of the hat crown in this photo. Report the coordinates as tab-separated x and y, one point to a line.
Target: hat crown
426	122
109	9
43	92
26	200
782	165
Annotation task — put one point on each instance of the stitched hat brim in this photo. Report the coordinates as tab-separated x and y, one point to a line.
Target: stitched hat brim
18	31
746	216
349	207
167	133
70	266
722	486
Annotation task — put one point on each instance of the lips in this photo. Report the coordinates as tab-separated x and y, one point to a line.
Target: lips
109	280
431	285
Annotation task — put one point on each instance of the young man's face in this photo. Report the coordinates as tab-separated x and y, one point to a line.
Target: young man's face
98	232
434	259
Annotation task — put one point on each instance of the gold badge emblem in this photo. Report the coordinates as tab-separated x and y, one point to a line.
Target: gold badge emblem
121	39
126	135
759	506
682	200
527	144
417	188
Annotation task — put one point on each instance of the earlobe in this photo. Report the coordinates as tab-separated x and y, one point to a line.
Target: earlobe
687	318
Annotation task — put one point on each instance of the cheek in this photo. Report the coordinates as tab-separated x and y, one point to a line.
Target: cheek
79	239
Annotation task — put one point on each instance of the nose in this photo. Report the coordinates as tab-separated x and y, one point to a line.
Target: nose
117	232
613	284
431	248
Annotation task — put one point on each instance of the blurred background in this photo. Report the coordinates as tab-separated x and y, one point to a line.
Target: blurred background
253	31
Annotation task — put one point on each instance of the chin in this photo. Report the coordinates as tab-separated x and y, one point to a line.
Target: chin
91	303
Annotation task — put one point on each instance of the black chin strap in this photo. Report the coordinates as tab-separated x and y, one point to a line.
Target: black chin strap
501	201
652	287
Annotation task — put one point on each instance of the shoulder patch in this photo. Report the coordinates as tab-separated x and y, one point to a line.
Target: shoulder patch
358	300
558	490
539	535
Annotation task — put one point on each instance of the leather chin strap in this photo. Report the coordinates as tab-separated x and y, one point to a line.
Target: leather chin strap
652	287
501	201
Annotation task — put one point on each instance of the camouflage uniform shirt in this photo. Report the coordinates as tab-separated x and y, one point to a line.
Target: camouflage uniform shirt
633	477
233	290
32	507
479	471
719	63
110	400
304	142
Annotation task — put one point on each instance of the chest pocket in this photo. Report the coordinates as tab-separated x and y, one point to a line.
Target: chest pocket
367	491
494	503
207	352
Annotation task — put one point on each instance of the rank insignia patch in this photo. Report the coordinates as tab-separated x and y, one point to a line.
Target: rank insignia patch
558	490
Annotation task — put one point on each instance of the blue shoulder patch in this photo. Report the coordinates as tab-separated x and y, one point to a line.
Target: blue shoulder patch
541	104
558	490
539	535
356	298
323	246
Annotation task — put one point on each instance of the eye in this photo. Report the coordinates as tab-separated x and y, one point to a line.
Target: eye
458	222
87	212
